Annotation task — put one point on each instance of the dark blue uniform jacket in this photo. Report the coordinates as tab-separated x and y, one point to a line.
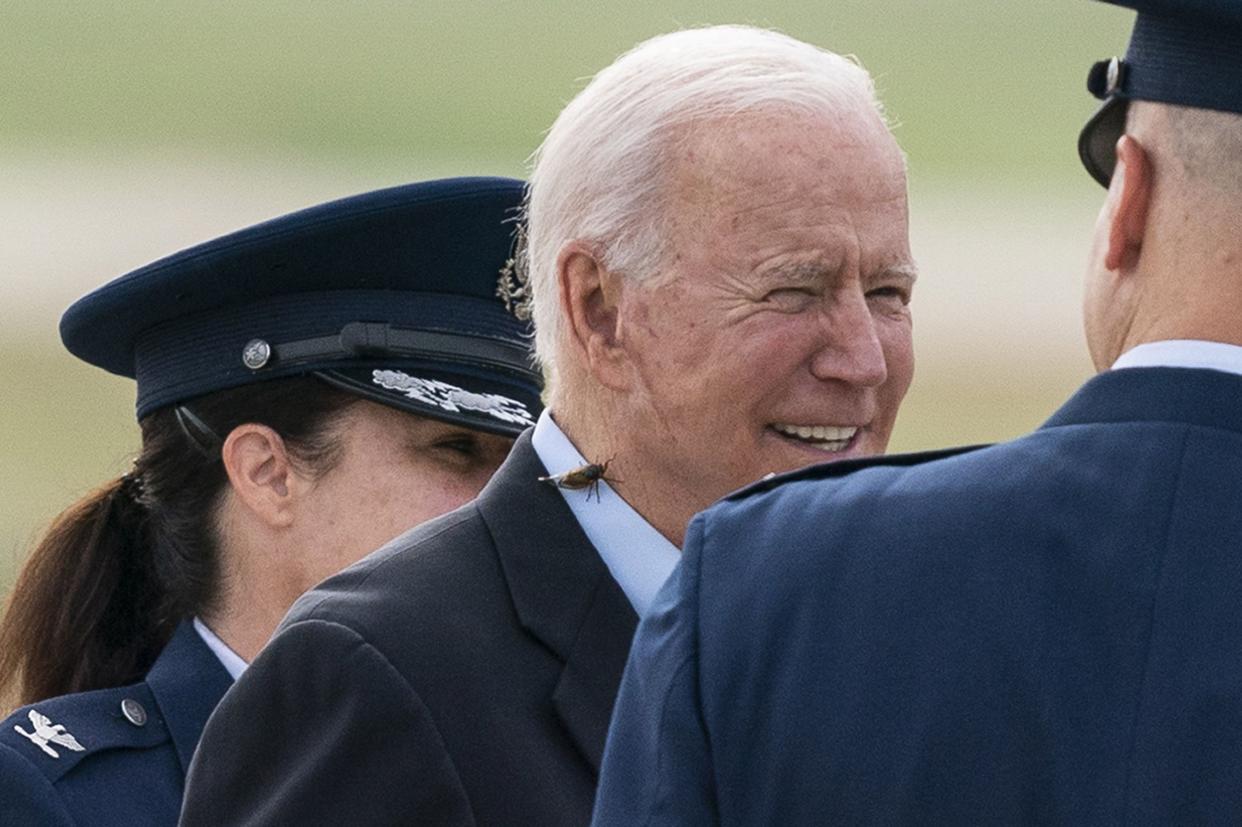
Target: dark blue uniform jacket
126	774
1043	632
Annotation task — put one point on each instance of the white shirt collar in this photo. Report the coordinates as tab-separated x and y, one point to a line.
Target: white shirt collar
1183	353
231	661
639	557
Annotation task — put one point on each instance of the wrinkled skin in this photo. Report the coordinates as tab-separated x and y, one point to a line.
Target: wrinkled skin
783	302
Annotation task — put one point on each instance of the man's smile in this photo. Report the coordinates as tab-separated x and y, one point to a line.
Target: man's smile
828	438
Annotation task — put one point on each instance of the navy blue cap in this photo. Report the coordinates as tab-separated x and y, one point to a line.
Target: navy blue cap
395	294
1183	52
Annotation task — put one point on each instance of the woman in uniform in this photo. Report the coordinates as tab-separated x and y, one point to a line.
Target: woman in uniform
308	388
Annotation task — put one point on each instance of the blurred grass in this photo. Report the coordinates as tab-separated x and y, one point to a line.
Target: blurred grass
347	96
978	86
75	430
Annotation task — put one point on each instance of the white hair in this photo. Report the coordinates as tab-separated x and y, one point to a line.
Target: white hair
599	175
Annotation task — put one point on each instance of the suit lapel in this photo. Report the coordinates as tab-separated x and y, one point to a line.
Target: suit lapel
585	694
562	592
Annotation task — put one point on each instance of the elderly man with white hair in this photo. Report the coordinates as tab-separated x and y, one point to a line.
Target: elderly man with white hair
718	266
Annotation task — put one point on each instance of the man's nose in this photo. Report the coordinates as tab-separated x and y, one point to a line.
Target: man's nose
850	349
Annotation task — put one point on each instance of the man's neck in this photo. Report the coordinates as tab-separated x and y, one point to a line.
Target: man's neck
598	442
1184	297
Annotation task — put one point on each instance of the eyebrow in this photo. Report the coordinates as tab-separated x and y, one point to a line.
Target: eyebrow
804	271
906	272
813	271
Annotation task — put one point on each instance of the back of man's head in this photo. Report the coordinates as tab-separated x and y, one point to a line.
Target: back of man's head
1195	204
599	175
1167	259
1207	146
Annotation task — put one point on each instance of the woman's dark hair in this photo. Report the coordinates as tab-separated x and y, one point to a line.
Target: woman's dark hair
102	592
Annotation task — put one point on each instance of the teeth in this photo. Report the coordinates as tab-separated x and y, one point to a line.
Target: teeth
819	433
831	437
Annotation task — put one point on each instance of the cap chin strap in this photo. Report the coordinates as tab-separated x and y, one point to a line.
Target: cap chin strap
378	340
205	440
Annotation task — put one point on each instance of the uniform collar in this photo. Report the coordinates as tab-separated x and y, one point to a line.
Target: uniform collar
230	660
187	681
638	557
1183	353
1205	398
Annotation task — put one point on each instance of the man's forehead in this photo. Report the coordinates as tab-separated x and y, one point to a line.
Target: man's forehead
748	155
807	131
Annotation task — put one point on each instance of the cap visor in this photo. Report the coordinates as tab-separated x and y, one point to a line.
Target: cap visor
470	401
1097	143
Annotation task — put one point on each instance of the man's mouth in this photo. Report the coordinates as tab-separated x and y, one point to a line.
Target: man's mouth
827	438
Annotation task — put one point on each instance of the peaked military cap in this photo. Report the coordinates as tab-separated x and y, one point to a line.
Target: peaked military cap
1184	52
391	294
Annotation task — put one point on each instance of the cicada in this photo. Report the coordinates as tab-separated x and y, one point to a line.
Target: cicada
587	476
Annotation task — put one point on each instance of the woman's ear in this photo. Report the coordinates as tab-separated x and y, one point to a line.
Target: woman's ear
260	473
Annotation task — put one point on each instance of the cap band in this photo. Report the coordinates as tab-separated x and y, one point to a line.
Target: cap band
221	348
1184	61
376	340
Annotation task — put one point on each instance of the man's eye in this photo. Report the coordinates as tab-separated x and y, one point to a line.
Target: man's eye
889	294
790	299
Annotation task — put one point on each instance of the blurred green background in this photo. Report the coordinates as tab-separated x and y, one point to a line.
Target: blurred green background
131	129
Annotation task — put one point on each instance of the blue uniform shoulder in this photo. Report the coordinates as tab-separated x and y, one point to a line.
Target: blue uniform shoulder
831	470
57	735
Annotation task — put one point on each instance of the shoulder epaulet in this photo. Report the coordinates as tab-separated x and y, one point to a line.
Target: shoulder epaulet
830	470
58	734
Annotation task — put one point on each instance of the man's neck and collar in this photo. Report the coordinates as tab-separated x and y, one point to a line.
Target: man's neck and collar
1183	353
638	556
1192	382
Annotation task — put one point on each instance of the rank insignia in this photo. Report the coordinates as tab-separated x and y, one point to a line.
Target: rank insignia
45	732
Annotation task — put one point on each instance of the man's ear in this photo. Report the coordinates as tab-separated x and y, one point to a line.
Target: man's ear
590	297
260	473
1131	190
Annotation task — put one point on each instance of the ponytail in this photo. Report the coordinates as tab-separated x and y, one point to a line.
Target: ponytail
102	593
80	613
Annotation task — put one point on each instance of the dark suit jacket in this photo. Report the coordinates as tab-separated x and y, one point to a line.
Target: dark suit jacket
463	674
1043	632
126	774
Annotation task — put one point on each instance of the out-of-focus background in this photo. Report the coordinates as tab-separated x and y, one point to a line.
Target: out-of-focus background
129	130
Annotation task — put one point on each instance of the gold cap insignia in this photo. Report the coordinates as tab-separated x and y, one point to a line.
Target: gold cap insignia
513	286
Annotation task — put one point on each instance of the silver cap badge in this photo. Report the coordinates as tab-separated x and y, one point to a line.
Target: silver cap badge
452	398
256	353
